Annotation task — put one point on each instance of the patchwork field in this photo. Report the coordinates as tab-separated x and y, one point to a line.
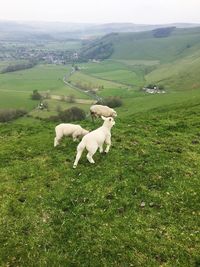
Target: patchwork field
102	86
118	72
16	87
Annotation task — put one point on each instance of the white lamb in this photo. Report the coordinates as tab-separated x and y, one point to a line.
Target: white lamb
68	129
95	139
100	110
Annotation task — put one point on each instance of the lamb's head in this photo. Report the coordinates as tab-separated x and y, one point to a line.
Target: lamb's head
84	132
108	122
114	113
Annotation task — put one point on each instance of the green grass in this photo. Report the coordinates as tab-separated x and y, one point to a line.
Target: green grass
107	87
180	75
54	106
63	45
132	62
143	46
5	63
137	206
16	87
10	99
66	90
144	102
117	78
41	78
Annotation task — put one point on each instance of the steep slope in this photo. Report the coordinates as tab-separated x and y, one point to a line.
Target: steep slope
137	206
182	74
152	47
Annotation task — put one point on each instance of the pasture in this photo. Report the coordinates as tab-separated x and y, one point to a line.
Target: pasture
13	99
54	106
143	213
16	87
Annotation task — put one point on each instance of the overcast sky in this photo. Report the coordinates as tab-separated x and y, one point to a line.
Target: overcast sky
102	11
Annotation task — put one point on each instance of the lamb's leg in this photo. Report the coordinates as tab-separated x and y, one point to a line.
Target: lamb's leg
56	141
101	149
108	143
75	137
91	151
78	155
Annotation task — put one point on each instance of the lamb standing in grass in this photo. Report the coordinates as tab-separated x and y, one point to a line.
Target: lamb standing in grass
95	139
68	129
100	110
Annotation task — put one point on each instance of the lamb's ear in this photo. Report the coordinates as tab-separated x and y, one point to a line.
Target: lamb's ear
103	118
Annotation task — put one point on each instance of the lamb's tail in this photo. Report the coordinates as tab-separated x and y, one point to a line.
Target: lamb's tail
80	148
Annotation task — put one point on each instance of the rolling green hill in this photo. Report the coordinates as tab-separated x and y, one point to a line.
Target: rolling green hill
158	44
164	56
182	74
146	46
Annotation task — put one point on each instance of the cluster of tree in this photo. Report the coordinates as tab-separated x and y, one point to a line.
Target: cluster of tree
111	102
36	95
98	50
11	114
69	115
20	66
163	32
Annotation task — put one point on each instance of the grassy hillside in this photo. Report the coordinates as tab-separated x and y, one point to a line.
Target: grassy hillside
167	57
137	206
182	74
146	46
152	45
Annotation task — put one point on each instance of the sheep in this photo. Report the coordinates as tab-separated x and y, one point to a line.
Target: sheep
95	139
100	110
67	129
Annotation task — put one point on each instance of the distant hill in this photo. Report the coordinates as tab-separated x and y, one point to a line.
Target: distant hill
61	30
165	45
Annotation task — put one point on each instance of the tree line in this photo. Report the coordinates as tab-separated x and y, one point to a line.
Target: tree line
20	66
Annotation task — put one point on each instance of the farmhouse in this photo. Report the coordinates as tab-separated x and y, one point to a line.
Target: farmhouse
154	90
